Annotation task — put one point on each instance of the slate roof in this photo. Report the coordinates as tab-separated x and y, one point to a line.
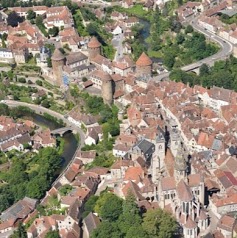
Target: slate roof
19	210
145	146
75	57
91	221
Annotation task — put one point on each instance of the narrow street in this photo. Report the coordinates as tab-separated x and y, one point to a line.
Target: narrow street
117	43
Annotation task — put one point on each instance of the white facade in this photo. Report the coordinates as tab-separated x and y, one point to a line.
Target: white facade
119	153
90	141
207	26
6	56
118	30
77	123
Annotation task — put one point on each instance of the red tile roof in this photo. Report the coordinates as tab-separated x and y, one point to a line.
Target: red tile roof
144	60
94	43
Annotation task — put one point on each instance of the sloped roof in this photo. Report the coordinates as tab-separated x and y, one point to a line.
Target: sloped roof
57	55
94	43
91	221
184	192
190	224
144	60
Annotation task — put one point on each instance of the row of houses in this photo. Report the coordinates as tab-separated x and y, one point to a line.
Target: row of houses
15	135
206	133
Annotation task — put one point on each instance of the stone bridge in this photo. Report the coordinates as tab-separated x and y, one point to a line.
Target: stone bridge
62	131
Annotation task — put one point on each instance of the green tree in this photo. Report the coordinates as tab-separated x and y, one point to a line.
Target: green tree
39	21
4	109
13	19
49	62
136	231
130	217
65	189
39	82
52	234
188	29
45	103
31	15
22	80
109	206
107	230
90	205
204	70
53	31
20	232
4	202
180	39
112	209
175	25
158	223
169	60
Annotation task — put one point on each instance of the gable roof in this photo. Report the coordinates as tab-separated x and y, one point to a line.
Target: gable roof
91	221
184	192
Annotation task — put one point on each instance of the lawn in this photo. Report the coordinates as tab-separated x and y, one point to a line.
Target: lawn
137	10
155	54
25	99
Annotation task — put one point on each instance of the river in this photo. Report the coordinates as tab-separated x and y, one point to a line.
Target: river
71	143
145	34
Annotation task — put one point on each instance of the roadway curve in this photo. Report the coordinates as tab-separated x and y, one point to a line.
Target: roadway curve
41	110
225	51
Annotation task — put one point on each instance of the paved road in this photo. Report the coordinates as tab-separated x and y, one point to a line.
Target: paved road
40	110
225	51
117	42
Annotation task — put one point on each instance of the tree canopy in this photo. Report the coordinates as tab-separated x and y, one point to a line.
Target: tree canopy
29	177
160	224
13	19
52	234
222	74
130	222
31	15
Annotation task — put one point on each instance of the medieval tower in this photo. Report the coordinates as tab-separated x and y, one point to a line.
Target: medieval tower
94	48
174	141
107	89
143	66
158	159
180	164
58	61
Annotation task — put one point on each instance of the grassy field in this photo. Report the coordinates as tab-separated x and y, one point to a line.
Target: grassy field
137	10
155	54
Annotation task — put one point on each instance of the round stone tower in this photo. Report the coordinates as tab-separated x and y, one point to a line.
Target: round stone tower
58	61
143	65
107	89
94	47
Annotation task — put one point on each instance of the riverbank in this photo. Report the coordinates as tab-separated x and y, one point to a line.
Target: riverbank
45	120
165	40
